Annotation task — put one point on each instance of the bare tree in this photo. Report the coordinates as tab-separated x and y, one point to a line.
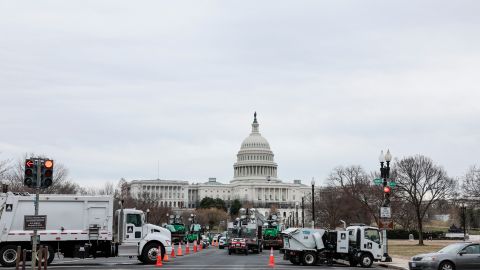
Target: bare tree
422	183
356	184
211	217
471	182
4	167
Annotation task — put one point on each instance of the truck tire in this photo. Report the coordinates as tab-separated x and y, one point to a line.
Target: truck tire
8	255
149	252
366	260
309	258
246	252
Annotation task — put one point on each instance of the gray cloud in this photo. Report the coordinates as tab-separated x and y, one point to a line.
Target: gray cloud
118	87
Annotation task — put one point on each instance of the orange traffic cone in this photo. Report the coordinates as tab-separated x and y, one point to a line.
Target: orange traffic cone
200	246
271	263
187	250
195	246
165	258
179	252
159	258
172	254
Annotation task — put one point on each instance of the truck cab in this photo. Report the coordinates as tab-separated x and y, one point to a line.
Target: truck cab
135	237
365	243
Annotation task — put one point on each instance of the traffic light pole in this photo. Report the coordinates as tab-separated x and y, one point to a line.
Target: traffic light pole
385	174
37	199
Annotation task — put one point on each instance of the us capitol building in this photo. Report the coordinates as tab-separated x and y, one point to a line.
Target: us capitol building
255	182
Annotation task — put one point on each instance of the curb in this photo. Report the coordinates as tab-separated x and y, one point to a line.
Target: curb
380	264
384	265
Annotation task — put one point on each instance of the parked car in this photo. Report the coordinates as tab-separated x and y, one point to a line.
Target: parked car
222	242
457	256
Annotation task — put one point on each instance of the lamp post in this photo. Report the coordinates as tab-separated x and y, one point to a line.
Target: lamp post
313	203
296	214
463	208
385	175
146	215
303	211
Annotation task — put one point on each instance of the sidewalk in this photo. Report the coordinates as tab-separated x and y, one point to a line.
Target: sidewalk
397	263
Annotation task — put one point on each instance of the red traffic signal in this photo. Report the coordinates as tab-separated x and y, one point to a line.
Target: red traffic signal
387	189
47	174
30	176
29	163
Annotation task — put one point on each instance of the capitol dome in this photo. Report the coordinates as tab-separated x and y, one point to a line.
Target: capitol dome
255	159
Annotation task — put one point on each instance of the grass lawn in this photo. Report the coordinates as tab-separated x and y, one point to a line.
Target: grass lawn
406	249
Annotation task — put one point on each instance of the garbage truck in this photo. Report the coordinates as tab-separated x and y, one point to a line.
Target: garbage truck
358	244
77	226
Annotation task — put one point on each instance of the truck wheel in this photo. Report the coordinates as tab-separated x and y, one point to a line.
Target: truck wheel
366	260
309	258
150	251
8	255
246	252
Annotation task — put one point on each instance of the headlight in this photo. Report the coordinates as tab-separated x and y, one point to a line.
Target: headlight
428	259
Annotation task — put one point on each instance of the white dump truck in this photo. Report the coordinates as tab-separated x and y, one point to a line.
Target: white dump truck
357	244
78	226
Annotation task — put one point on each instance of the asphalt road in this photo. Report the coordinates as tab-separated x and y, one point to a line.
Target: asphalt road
211	258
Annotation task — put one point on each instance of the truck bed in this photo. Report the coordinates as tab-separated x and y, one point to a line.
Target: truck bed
69	217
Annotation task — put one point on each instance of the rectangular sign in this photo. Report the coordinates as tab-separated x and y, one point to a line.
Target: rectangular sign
385	224
35	222
378	181
385	212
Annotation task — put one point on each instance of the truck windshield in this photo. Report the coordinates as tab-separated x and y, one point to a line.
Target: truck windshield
134	219
373	235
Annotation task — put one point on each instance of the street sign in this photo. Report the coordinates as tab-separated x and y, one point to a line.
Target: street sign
378	181
386	224
385	212
392	184
38	222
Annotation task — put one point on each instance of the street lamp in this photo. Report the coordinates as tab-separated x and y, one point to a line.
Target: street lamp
296	214
146	215
463	208
313	203
303	211
385	175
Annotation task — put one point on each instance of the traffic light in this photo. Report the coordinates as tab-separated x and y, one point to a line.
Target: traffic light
386	195
47	174
30	178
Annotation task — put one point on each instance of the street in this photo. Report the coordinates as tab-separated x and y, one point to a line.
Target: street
211	258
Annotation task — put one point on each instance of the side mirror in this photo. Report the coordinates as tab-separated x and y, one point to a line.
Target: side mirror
462	252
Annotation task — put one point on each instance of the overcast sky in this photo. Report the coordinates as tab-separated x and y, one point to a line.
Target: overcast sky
111	88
